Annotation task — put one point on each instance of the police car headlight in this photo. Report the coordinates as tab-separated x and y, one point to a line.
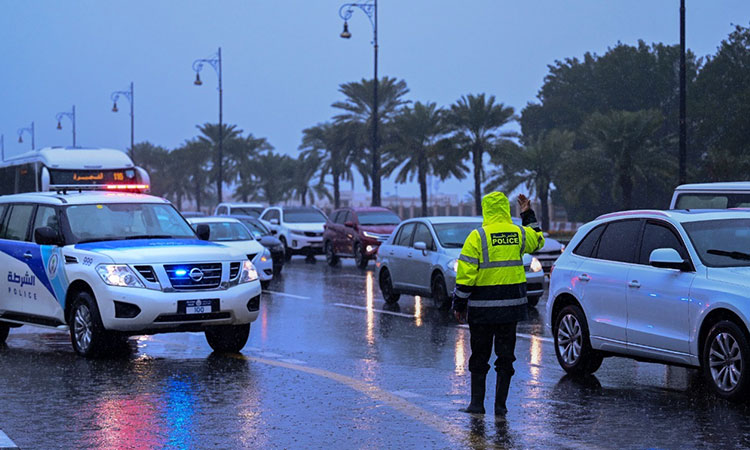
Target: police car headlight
266	256
248	272
536	266
453	265
118	275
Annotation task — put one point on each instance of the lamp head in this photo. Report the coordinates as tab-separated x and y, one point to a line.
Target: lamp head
197	81
114	107
346	34
59	125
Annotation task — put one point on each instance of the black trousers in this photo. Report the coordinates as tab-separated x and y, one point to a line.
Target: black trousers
482	337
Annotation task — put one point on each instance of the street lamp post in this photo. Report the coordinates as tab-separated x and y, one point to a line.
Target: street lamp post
70	115
215	62
128	95
30	130
683	108
370	8
2	147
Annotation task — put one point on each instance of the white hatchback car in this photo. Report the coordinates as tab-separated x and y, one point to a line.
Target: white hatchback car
421	258
233	233
666	286
108	265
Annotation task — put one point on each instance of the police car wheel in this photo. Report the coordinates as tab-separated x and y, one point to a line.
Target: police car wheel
386	287
572	343
331	258
87	333
359	256
228	338
440	292
4	330
725	361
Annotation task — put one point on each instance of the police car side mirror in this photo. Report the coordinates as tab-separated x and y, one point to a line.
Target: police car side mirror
203	231
46	236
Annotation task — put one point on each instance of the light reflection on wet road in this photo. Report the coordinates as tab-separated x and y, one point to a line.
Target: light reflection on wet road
329	364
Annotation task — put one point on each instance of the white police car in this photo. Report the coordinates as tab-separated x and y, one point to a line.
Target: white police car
108	265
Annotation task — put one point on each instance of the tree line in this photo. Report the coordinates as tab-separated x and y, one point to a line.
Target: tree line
600	136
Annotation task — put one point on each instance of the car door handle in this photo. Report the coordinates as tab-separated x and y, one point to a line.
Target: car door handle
634	284
584	277
27	255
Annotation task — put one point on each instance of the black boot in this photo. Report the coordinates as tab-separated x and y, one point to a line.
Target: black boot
478	387
501	392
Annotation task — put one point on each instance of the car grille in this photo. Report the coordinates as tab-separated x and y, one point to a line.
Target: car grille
147	272
313	234
234	270
211	276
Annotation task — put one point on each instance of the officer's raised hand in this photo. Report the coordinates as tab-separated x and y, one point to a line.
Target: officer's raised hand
524	203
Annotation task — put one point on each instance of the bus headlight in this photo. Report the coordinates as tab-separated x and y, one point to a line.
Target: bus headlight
248	272
118	275
536	266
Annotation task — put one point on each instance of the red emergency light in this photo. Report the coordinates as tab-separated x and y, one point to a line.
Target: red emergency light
127	187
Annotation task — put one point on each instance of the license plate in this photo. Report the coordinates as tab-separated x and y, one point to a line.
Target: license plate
200	306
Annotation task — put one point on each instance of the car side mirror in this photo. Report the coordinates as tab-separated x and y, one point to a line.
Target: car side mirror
274	221
203	231
46	236
421	246
274	232
667	258
350	224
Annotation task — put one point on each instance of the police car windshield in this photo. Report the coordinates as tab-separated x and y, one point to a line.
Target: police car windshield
228	231
117	221
453	235
307	215
721	243
378	218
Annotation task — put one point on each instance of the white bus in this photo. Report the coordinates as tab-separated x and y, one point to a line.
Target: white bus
69	168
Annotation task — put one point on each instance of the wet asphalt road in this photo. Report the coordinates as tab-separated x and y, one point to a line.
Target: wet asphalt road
329	366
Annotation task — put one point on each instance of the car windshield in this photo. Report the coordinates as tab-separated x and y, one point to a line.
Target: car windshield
257	228
304	216
721	243
712	201
227	231
378	218
117	221
453	235
252	211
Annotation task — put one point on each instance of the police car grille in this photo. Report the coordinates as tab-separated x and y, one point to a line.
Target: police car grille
147	272
211	276
234	270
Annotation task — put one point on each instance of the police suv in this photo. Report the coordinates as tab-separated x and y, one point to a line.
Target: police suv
106	265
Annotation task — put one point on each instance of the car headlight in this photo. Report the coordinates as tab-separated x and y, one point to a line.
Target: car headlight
248	272
453	265
118	275
536	266
297	232
266	256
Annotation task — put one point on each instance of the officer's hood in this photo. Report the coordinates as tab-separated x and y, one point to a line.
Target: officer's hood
495	208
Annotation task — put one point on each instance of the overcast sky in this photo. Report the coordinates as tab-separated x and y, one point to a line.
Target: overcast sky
284	60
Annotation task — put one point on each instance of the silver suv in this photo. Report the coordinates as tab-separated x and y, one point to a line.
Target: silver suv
667	286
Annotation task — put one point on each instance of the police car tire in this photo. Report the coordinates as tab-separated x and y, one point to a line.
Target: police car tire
331	258
440	292
533	301
735	338
4	330
386	287
589	360
359	256
101	339
228	338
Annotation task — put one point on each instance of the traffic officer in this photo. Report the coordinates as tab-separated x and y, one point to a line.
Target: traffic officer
491	292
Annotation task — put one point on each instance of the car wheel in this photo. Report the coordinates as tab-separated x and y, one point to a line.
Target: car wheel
359	256
4	330
572	343
331	257
533	301
87	333
386	287
726	360
440	293
228	338
287	250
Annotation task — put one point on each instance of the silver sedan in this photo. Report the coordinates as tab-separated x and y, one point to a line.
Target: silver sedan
421	257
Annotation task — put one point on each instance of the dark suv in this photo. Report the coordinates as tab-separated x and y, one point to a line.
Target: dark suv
357	233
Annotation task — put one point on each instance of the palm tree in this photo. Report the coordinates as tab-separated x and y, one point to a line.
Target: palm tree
272	176
535	165
419	147
190	161
477	121
241	154
154	159
210	139
623	141
334	146
358	107
305	168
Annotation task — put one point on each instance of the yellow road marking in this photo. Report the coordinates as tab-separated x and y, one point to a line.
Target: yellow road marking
407	408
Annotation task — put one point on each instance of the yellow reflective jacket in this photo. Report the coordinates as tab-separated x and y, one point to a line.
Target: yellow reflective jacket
491	279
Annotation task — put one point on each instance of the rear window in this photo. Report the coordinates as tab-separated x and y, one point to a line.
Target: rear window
378	218
304	216
619	240
712	201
